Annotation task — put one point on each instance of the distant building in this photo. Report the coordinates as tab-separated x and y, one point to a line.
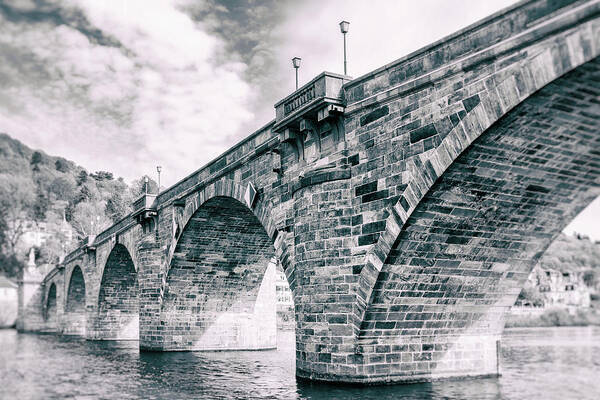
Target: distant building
8	302
282	289
558	289
285	301
36	234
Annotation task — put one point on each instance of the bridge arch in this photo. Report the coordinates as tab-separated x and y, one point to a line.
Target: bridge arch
51	308
463	253
261	209
221	274
75	304
117	316
503	92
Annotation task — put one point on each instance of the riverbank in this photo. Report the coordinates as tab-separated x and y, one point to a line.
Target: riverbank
555	317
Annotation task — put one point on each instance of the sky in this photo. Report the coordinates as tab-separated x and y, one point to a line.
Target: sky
125	86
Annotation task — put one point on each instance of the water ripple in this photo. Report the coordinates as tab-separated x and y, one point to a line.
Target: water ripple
550	363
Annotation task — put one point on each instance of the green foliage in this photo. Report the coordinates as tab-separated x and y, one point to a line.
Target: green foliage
102	176
39	207
16	199
51	250
3	230
556	317
89	218
61	165
591	277
10	265
530	296
43	187
36	158
82	177
569	253
118	206
138	186
62	188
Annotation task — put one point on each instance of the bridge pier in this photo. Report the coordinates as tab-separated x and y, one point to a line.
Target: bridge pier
325	273
150	278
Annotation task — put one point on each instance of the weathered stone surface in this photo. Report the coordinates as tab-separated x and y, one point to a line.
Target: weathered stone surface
406	213
74	320
117	315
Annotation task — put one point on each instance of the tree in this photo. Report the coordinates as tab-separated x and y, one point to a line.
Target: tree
53	248
3	230
82	177
36	160
138	186
62	188
118	206
16	198
87	192
590	278
10	265
61	165
102	176
89	218
530	295
39	207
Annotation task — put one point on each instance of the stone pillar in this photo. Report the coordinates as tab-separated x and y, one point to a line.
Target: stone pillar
29	317
325	282
150	281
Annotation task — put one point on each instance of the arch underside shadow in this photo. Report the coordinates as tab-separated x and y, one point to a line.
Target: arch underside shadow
220	291
462	257
51	310
117	316
75	310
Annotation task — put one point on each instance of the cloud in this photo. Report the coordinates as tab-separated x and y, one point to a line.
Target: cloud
148	87
125	86
381	31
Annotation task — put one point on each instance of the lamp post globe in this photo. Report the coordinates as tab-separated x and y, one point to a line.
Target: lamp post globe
158	169
344	26
296	64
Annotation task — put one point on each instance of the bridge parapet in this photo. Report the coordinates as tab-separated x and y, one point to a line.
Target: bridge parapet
145	207
309	121
323	91
473	48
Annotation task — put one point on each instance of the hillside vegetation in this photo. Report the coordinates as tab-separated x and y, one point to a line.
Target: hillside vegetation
572	253
38	189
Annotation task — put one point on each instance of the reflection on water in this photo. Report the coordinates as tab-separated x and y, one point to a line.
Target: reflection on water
550	363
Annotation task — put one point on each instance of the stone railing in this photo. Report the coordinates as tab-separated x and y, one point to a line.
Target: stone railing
299	99
326	88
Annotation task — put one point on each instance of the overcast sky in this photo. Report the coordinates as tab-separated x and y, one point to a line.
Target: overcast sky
124	86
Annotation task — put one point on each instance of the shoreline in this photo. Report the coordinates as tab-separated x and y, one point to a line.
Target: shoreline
554	317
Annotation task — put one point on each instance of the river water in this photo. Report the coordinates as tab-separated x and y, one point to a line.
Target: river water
548	363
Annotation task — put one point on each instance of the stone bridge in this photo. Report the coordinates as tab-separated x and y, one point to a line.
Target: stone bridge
406	207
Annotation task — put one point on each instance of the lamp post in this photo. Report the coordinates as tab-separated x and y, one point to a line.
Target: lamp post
145	185
296	64
158	169
344	25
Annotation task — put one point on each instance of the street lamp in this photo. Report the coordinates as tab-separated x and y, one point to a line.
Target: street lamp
344	25
158	169
296	64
